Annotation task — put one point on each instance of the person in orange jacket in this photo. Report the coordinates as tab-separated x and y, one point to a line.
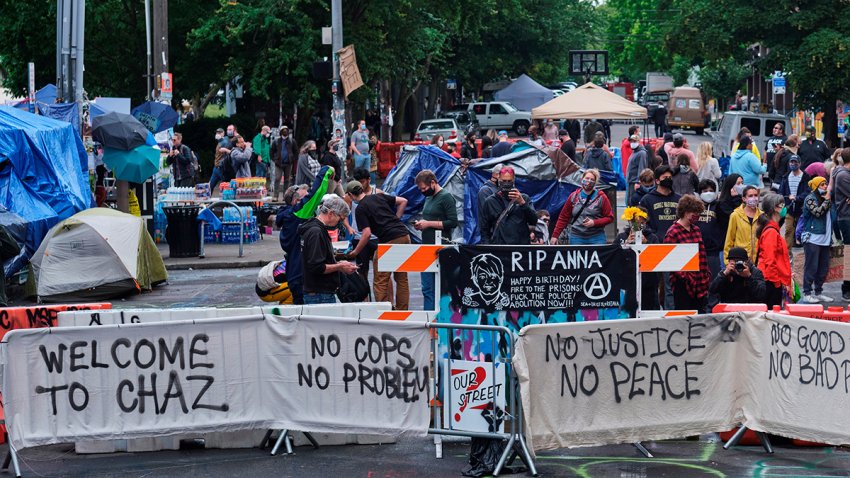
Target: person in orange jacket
773	258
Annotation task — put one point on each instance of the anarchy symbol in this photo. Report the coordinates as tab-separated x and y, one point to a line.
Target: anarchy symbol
597	286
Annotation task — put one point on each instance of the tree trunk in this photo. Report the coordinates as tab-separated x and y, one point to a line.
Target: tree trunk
830	124
400	112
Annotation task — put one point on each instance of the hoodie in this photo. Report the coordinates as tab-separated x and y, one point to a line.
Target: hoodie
748	166
597	158
316	253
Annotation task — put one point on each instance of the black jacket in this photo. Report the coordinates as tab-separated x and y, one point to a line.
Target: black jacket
316	253
277	149
513	230
735	289
812	152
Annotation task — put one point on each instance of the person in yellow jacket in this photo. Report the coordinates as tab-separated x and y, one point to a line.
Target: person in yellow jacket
755	150
742	224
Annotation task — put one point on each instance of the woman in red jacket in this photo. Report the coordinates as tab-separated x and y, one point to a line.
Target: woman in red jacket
773	259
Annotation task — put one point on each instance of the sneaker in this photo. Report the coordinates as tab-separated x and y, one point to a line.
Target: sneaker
811	299
846	296
824	298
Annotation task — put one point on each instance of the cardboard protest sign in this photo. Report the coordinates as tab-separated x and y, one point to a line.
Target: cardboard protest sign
168	378
475	396
624	381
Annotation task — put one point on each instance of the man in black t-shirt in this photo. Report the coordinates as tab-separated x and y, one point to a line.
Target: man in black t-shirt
380	214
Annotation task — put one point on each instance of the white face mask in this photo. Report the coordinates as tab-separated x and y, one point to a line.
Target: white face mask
708	196
440	143
634	145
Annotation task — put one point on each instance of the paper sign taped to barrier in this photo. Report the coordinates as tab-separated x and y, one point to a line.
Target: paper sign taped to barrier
470	392
328	375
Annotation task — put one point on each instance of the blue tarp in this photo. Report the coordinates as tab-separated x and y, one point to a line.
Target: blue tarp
67	112
42	164
549	193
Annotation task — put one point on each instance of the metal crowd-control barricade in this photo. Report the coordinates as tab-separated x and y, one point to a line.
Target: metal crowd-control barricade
516	446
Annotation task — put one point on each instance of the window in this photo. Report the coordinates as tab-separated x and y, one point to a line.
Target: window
769	124
497	109
681	104
752	124
479	108
436	125
694	104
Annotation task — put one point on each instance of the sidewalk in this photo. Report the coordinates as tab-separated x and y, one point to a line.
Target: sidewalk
226	256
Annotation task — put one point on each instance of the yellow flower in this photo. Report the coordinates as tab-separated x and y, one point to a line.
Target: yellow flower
632	213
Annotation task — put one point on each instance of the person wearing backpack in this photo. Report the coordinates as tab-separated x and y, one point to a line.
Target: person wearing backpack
181	160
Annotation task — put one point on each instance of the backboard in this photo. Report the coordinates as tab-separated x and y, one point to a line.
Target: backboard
588	62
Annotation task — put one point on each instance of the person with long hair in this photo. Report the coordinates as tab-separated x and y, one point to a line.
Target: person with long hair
709	168
690	289
773	258
742	224
730	199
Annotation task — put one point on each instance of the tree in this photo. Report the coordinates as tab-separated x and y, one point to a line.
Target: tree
722	78
635	37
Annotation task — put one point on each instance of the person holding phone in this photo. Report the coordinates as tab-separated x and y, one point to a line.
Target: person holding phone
508	214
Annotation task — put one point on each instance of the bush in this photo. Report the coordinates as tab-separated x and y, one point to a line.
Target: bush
199	135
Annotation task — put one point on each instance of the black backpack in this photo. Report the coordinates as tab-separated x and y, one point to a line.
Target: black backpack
352	288
228	172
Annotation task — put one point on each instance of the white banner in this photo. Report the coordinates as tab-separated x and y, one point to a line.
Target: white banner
78	318
316	374
622	381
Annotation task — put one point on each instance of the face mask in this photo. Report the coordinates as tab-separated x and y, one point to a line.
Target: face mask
666	183
647	189
313	154
708	196
783	212
230	134
793	166
218	136
506	186
752	202
821	191
428	192
588	183
634	145
362	127
440	143
684	169
739	188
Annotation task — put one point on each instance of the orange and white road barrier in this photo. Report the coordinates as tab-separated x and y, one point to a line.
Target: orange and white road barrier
667	257
408	257
408	315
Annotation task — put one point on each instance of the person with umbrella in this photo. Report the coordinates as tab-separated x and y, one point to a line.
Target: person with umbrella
180	158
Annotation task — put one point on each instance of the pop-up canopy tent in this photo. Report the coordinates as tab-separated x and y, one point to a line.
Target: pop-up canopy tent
544	175
41	171
589	101
97	254
524	93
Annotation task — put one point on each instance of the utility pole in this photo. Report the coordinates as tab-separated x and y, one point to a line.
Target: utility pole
160	43
338	113
148	76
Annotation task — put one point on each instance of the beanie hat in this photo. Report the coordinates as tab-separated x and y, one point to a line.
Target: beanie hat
815	182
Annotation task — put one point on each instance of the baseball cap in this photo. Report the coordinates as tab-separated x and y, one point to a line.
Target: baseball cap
678	137
794	158
738	254
354	187
563	132
503	133
219	130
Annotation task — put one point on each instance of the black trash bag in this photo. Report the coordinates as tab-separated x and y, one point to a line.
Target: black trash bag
484	453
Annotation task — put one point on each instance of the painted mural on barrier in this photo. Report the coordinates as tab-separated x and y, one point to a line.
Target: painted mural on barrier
515	286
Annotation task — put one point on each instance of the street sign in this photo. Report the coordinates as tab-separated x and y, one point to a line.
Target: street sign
327	36
451	84
778	86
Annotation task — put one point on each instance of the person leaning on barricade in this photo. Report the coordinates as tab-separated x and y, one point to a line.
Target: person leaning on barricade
740	282
690	289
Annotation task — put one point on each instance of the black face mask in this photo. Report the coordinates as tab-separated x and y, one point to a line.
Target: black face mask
428	192
506	186
667	183
313	154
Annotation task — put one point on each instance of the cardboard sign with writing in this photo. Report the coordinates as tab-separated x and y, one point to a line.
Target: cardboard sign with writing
348	71
475	396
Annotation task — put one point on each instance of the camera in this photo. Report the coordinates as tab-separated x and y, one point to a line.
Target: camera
739	266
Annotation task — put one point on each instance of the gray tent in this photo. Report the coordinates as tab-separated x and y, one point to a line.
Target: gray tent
524	93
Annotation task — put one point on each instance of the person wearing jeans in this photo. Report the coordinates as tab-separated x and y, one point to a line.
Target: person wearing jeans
359	147
816	239
438	213
585	214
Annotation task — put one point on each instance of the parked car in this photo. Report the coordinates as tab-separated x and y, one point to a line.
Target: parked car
447	127
501	115
759	124
467	120
686	110
650	101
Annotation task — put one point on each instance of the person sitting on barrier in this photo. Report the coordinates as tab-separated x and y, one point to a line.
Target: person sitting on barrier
741	282
690	289
321	280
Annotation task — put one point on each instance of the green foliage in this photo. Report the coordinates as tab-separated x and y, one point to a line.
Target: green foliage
722	78
635	37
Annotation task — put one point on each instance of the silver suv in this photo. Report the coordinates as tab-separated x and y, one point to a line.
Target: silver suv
447	127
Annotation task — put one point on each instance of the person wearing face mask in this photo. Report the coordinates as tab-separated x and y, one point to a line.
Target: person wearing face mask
685	181
812	150
284	154
817	240
438	141
729	198
488	189
662	202
745	163
221	150
262	146
568	146
794	189
778	167
438	213
637	163
550	131
359	147
690	289
740	282
773	258
709	225
585	214
308	163
741	231
469	149
645	185
508	214
841	196
626	146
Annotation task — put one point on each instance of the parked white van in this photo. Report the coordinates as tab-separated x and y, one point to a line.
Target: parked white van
759	124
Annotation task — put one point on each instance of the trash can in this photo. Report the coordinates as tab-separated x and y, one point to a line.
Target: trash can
182	231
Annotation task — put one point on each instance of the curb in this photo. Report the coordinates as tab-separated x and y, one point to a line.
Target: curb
215	265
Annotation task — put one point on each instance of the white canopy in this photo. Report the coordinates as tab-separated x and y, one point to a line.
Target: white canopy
589	101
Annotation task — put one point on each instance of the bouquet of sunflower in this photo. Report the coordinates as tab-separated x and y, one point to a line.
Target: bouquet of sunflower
632	214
